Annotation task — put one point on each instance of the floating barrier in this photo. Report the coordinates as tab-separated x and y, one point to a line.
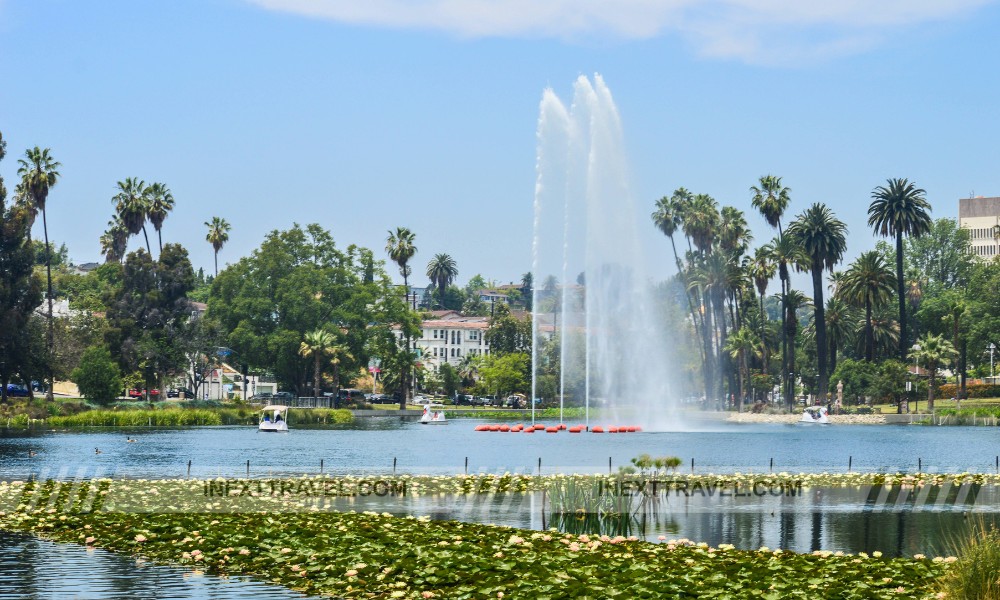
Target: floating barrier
597	429
551	430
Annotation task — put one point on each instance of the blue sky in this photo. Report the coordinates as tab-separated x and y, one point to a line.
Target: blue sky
363	116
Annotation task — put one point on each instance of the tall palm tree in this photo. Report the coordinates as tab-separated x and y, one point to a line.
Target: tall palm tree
743	344
794	300
900	209
442	272
161	202
114	241
787	254
933	351
823	238
400	248
317	344
762	270
770	198
39	173
839	319
867	283
132	203
218	235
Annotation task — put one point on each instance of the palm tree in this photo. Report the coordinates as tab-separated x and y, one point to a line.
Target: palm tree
317	344
114	241
794	300
762	270
218	235
770	198
442	272
399	246
742	345
161	202
132	203
786	254
899	209
933	351
867	283
839	319
823	238
38	172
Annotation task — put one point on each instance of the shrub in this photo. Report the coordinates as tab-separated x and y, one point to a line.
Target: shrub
974	574
97	376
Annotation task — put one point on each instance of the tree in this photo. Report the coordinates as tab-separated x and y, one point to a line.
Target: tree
899	209
98	376
20	291
339	354
38	172
505	374
762	270
442	272
933	351
528	290
132	206
218	235
771	198
316	345
823	238
114	241
506	334
400	248
867	283
742	345
786	254
159	205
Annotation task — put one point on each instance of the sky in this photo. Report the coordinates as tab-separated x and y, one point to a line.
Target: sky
365	116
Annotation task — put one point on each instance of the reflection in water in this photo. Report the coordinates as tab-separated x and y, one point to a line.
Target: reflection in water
36	568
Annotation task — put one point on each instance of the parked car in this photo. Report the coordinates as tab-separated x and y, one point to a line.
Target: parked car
262	397
14	390
515	401
278	396
490	401
137	393
176	393
381	399
463	400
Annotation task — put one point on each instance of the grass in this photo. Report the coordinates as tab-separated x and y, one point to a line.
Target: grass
976	573
175	417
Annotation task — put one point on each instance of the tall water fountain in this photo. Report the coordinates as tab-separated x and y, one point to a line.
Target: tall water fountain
593	309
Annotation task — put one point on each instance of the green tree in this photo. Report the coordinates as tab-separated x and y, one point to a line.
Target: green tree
160	203
98	376
20	291
506	374
506	334
899	210
400	248
449	379
933	352
38	172
742	345
823	239
114	241
442	272
218	235
867	283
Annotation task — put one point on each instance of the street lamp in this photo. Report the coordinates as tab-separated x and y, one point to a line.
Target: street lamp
916	378
992	347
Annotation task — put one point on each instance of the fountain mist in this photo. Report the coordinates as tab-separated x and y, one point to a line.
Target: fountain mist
593	311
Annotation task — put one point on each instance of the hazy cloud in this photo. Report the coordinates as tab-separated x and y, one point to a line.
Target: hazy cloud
756	31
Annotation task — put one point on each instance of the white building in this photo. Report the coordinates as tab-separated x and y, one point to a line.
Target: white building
450	337
981	217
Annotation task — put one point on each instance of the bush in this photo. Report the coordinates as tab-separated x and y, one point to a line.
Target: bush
974	574
972	390
98	376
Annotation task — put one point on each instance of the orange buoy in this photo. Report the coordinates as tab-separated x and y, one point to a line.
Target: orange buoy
505	428
632	428
482	427
597	429
551	430
637	428
494	428
561	427
529	430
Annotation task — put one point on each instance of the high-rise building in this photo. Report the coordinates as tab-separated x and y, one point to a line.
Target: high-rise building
981	216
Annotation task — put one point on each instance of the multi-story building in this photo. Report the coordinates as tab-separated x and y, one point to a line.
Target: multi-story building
449	337
981	217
